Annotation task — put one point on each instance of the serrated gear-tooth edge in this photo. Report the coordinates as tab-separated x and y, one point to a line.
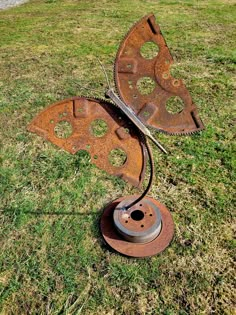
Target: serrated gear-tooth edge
179	133
115	66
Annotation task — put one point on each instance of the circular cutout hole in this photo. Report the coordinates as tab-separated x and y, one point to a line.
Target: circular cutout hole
165	75
174	105
137	215
99	128
150	215
64	114
175	82
142	225
149	50
146	85
126	221
117	157
146	113
63	129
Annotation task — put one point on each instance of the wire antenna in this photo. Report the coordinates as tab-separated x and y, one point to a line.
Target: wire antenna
105	73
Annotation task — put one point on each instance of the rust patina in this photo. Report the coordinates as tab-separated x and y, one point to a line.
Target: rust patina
80	113
131	66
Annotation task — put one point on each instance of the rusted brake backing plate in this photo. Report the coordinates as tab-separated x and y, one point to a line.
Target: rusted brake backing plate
80	113
131	66
141	228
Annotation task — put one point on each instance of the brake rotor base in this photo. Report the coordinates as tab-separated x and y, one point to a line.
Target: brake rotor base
143	230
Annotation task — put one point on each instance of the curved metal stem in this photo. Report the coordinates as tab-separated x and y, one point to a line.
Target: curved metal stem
149	150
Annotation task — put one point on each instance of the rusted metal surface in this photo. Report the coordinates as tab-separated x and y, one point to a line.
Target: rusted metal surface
80	113
132	116
140	223
131	66
126	247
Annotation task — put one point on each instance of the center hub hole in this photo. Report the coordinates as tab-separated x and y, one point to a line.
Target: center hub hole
137	215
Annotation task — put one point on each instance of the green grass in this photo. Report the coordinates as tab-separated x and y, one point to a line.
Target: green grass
52	258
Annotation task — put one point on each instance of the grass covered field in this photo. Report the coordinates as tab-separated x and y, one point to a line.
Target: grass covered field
52	257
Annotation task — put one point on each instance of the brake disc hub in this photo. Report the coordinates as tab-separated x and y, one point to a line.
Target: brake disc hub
140	223
143	230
